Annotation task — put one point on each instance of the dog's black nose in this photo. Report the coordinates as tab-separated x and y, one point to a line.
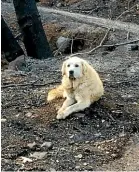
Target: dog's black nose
71	72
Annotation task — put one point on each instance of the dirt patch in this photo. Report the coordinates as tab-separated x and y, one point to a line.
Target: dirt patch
89	36
83	36
45	115
53	32
129	162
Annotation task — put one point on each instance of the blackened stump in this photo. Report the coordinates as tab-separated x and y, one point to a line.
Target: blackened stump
9	45
29	21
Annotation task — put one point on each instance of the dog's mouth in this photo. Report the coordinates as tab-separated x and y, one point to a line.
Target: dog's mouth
72	78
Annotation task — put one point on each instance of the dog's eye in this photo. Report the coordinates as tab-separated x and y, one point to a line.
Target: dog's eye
76	65
68	65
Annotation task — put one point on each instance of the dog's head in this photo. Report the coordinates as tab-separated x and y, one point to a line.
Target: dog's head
74	67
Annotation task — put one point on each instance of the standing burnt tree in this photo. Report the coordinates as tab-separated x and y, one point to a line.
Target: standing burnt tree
29	21
9	45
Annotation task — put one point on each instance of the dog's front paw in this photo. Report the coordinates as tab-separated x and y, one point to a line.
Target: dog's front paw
60	115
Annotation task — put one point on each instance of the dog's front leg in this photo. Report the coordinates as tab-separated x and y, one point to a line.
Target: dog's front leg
69	101
81	105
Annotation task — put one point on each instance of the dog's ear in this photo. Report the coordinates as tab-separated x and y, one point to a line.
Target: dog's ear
84	67
63	68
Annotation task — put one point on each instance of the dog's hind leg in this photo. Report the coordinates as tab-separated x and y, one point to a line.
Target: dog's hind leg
55	93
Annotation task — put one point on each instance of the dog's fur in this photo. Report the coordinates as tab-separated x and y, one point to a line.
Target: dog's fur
80	90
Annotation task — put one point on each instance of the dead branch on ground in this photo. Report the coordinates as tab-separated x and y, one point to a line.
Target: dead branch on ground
29	84
71	44
105	36
102	46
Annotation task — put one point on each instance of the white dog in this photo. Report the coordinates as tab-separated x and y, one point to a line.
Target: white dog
81	86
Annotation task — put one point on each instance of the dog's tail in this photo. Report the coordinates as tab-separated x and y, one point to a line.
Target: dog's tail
55	93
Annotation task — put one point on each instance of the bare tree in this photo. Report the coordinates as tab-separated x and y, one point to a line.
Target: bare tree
29	21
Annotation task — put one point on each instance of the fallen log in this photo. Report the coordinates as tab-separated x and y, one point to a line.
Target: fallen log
106	23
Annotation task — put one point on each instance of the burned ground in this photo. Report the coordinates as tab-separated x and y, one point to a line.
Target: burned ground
85	140
102	137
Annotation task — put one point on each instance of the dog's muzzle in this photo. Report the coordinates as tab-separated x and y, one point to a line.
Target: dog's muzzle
71	74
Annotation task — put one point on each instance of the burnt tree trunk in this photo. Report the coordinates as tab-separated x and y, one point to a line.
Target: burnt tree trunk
9	45
34	37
